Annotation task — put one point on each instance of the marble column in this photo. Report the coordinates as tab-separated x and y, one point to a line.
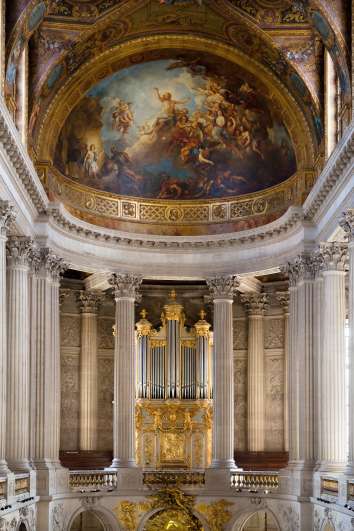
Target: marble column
256	304
6	218
45	359
223	291
347	223
301	361
19	259
89	305
126	288
333	426
283	298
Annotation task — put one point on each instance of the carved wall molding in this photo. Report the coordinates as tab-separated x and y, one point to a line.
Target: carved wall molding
347	224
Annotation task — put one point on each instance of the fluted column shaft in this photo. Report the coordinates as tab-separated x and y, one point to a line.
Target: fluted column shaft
347	223
6	218
88	370
45	359
283	298
125	287
18	346
255	305
223	290
333	426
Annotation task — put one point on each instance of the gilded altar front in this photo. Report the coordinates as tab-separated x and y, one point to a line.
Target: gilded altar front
173	434
174	391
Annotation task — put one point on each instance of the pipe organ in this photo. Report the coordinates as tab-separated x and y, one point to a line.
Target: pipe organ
174	390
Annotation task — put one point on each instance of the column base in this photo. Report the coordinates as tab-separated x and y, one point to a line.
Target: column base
122	463
332	468
21	465
4	469
224	463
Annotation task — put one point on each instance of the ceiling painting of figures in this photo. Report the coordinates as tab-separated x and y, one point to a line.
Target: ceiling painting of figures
191	127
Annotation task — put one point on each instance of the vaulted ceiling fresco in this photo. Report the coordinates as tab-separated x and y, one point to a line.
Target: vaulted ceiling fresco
182	122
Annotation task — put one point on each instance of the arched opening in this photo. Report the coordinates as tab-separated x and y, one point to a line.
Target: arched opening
174	519
261	521
22	527
328	526
87	521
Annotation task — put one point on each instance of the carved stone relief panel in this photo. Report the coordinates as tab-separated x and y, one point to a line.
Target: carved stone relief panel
274	407
105	407
274	333
70	402
240	380
240	334
104	332
70	330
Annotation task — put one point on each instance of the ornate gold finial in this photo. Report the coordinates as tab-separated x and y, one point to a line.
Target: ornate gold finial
144	327
143	313
202	327
202	314
173	295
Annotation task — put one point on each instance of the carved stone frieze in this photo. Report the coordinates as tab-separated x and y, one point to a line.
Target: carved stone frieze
57	517
240	390
334	256
105	333
274	396
105	383
63	295
70	331
125	285
347	224
240	331
274	333
7	216
89	301
255	303
223	287
19	251
70	393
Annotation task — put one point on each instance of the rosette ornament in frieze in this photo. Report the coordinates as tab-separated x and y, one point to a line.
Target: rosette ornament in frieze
7	216
334	256
223	287
126	285
347	224
255	303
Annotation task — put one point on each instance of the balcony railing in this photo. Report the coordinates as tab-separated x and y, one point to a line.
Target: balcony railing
165	477
92	481
256	482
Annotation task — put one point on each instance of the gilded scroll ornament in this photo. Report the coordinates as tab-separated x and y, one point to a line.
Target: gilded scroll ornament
217	513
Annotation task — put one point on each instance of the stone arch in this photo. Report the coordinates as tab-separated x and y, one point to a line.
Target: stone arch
327	525
105	517
242	519
22	526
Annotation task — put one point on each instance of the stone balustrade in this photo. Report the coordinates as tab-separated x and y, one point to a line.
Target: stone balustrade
92	481
265	482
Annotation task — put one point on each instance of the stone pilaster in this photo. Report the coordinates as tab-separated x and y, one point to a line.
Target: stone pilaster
126	288
347	223
283	298
45	359
222	291
6	218
89	305
18	350
333	426
256	304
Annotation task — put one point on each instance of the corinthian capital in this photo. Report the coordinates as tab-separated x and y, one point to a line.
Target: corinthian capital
43	259
19	251
347	224
89	301
7	216
305	267
125	285
334	256
255	303
283	297
223	287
